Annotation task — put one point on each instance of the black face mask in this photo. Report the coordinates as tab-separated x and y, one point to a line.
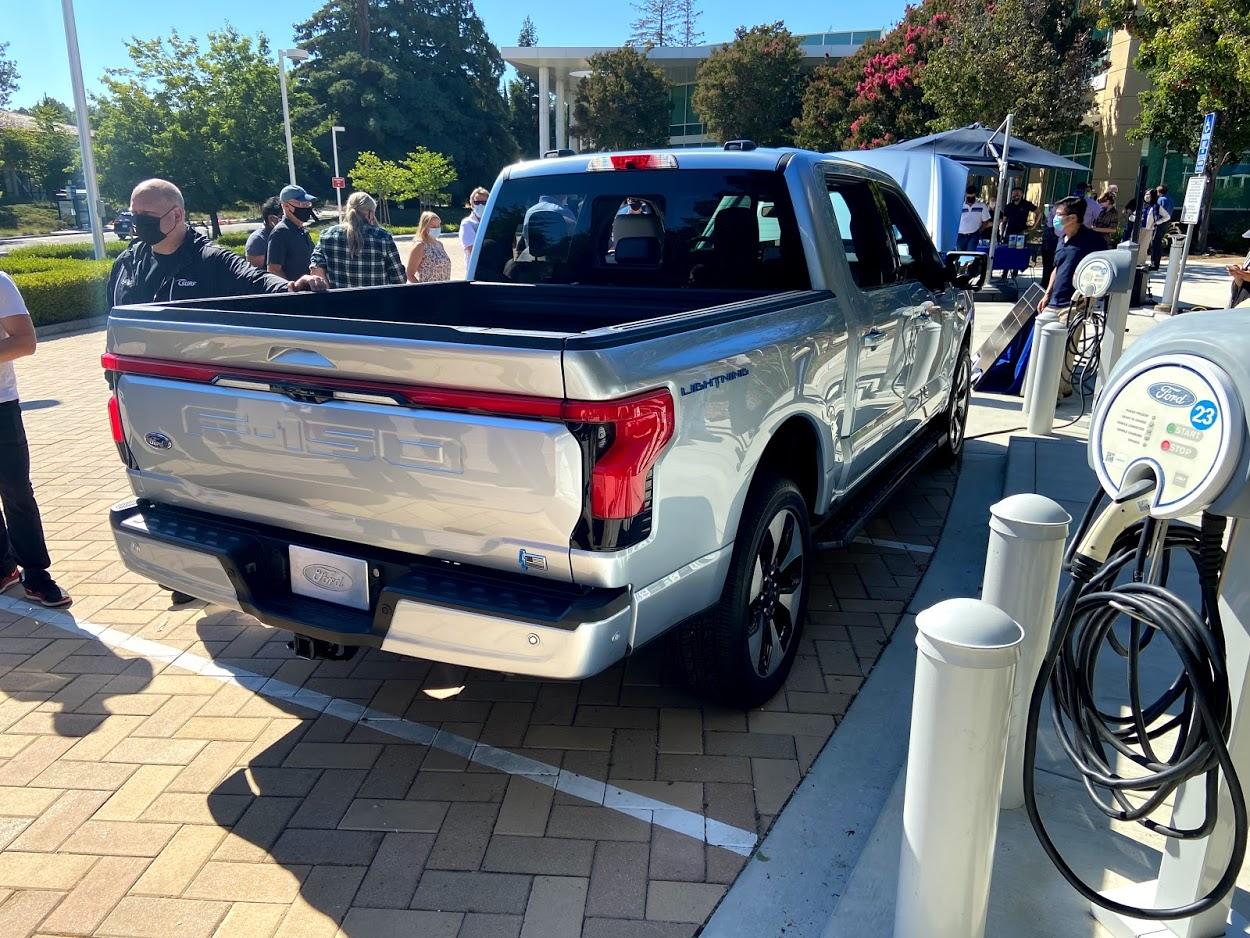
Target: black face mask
148	228
303	214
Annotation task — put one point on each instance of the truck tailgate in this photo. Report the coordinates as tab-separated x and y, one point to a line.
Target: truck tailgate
336	452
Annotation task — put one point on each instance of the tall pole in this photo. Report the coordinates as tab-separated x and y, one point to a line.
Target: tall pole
1002	182
84	129
286	115
334	145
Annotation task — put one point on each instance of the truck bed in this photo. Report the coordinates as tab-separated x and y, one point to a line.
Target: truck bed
531	316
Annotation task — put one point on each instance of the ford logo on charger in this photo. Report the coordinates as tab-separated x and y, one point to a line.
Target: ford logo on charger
327	577
1170	395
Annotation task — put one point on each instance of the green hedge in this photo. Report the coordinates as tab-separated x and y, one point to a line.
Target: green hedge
66	291
80	250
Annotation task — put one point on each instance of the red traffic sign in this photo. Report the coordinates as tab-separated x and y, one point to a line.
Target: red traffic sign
338	182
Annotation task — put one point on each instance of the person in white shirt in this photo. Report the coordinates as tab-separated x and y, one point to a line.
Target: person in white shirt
468	227
974	218
23	550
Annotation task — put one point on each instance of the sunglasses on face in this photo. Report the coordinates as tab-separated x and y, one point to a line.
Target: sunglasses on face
475	202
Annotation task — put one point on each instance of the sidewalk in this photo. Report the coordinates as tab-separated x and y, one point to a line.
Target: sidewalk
830	865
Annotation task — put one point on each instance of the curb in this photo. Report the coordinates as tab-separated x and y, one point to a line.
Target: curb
73	327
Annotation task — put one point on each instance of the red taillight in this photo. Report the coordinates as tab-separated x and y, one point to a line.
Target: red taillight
642	427
115	422
632	161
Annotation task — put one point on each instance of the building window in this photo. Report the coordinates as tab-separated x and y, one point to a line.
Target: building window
1080	148
683	121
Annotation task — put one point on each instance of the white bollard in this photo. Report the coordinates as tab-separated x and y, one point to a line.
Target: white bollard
1049	364
1030	375
965	663
1172	281
1022	567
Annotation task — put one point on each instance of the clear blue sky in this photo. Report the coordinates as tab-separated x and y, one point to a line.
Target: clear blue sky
38	45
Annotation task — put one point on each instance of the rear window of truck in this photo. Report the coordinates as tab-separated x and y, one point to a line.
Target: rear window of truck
693	228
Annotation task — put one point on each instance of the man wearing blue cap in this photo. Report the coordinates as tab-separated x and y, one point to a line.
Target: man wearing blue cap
290	246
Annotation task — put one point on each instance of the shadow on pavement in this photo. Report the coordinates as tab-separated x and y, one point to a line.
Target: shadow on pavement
50	668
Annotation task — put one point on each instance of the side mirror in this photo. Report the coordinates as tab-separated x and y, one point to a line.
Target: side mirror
966	269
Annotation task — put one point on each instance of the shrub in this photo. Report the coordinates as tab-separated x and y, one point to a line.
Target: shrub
29	265
233	239
451	227
81	250
66	292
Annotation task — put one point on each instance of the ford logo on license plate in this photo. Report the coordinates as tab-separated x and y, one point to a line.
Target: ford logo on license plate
328	577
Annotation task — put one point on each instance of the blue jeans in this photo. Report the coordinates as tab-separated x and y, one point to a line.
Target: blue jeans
967	242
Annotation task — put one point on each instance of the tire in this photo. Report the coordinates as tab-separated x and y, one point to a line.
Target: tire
953	424
740	651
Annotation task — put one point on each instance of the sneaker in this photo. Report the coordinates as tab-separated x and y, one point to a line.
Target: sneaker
179	598
47	594
8	579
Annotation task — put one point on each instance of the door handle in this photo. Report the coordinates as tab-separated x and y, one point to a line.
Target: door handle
873	337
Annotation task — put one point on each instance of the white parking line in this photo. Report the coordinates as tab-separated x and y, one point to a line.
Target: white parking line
659	813
896	545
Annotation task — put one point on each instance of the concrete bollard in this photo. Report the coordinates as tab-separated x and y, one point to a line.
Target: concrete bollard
1030	376
965	664
1022	567
1172	282
1049	364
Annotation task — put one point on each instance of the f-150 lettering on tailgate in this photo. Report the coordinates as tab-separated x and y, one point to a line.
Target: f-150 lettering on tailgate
294	435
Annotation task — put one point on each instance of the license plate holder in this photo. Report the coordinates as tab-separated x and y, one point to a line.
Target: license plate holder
333	578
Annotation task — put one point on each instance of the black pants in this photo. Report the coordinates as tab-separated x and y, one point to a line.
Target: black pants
1156	246
21	531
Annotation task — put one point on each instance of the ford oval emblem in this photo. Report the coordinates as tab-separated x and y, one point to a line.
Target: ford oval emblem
1171	395
157	440
326	577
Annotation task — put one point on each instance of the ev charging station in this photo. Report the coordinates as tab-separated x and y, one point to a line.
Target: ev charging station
1172	422
1168	446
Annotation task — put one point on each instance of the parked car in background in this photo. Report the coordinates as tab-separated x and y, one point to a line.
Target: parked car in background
124	225
629	419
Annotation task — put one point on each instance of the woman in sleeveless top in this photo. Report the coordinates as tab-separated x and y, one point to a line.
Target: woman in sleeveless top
428	260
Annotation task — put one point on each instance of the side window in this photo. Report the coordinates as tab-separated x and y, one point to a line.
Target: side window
868	247
917	257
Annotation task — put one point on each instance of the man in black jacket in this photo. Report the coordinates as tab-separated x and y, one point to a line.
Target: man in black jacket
169	261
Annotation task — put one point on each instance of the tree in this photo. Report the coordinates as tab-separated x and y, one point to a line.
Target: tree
1042	58
8	75
421	175
427	177
623	104
523	105
873	97
1198	61
54	154
752	88
657	23
688	32
58	110
399	74
380	178
207	118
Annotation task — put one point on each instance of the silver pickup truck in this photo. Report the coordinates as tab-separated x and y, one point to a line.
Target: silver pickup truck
664	370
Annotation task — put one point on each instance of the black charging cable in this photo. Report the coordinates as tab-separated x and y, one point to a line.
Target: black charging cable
1196	706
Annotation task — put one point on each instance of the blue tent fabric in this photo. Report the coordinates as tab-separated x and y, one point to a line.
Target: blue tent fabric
1006	375
934	184
971	146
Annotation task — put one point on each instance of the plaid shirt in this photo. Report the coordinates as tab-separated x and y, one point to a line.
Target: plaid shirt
377	263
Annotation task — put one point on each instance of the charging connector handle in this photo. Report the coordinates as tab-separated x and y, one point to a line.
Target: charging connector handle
1126	509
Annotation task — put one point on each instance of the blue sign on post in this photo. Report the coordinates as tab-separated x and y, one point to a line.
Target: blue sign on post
1204	143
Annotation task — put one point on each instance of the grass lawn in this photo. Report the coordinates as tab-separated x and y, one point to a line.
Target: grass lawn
28	219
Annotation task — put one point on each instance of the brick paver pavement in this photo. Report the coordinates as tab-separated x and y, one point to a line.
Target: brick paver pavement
138	797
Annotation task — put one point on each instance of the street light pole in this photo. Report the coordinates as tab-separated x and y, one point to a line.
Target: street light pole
295	55
334	145
84	129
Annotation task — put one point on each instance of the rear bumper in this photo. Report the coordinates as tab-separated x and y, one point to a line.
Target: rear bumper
417	607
